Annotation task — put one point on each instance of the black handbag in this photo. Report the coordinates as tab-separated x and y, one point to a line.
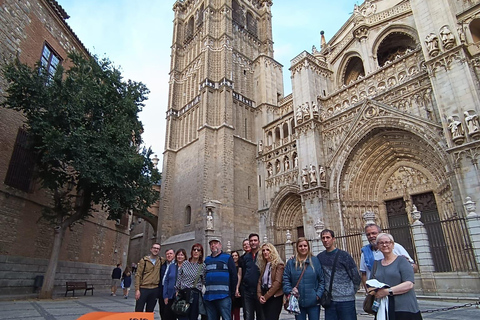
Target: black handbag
326	298
181	306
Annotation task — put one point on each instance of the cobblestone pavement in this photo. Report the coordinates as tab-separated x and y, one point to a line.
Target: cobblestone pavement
72	308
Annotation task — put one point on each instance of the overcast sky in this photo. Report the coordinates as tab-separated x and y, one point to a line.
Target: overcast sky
136	36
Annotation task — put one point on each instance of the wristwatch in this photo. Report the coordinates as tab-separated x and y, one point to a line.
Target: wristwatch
390	292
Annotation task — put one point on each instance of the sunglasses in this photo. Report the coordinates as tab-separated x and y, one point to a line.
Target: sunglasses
196	249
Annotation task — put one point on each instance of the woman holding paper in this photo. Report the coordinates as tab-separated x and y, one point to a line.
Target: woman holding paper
397	273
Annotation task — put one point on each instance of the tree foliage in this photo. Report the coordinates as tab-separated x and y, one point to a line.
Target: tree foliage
84	129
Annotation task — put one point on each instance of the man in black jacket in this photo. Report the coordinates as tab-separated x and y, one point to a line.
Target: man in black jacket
116	276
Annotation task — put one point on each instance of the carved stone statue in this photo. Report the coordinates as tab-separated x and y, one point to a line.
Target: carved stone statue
431	41
277	166
306	111
447	37
461	34
295	161
321	174
299	114
286	164
473	126
313	175
209	220
269	170
456	129
260	146
305	177
314	110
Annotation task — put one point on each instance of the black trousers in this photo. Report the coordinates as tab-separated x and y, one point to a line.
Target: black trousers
166	312
272	308
148	297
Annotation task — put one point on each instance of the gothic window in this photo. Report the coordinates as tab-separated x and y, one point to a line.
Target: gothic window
354	70
20	170
188	215
269	138
189	30
285	130
292	125
50	59
238	16
251	24
475	30
393	46
277	135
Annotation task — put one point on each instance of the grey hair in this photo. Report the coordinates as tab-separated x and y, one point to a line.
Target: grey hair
388	235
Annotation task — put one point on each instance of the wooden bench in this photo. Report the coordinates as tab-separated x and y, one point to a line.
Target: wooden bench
78	285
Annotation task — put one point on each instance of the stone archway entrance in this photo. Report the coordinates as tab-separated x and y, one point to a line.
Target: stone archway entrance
287	215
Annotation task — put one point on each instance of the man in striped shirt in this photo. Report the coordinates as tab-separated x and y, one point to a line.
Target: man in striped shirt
220	282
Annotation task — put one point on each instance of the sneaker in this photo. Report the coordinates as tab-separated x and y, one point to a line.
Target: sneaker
125	297
114	295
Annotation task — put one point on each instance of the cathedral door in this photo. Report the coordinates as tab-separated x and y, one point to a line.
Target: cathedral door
399	225
428	207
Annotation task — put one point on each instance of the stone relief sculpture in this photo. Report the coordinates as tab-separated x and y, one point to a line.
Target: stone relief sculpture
269	170
461	34
286	164
314	110
260	146
295	160
321	174
277	166
456	130
306	111
305	177
368	9
447	37
473	124
299	114
313	175
431	41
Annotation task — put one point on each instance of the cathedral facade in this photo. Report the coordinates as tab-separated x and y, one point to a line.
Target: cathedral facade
382	126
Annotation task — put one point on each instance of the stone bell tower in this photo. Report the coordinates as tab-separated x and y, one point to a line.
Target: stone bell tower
222	76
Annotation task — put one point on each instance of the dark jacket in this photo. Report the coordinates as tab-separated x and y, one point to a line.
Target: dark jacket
251	273
311	285
170	280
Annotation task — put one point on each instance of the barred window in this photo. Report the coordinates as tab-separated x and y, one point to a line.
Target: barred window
20	170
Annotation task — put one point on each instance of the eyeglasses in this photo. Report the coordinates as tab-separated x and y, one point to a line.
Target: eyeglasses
384	243
197	249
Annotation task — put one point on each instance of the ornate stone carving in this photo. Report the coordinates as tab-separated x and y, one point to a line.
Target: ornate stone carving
305	177
313	176
431	41
416	215
448	40
369	217
470	206
473	125
456	130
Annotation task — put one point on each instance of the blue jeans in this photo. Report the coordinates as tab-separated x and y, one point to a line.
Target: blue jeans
312	312
344	310
217	308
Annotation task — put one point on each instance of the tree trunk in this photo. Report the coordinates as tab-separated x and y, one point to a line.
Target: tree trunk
47	288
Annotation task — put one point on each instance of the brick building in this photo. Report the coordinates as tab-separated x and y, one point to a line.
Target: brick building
37	31
382	125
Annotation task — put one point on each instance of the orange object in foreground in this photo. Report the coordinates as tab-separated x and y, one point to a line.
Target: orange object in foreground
101	315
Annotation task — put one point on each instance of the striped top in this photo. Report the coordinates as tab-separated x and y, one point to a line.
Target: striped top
187	274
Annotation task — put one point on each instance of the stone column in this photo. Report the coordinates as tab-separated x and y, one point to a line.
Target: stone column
473	225
422	246
288	246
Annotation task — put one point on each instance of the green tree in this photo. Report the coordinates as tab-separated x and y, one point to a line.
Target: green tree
84	129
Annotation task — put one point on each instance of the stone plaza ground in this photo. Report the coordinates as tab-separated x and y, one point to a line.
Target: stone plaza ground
71	308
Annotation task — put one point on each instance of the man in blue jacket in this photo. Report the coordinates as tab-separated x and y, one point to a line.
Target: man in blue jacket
220	282
346	279
167	276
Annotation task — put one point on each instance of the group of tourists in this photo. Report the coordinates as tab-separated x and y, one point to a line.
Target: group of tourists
260	282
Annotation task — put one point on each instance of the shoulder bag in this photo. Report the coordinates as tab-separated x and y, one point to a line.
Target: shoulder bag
369	299
290	302
183	301
326	298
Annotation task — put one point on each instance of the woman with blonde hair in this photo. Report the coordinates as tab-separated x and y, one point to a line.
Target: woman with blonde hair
269	287
303	277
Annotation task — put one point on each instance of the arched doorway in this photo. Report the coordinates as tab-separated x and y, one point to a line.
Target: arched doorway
286	215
